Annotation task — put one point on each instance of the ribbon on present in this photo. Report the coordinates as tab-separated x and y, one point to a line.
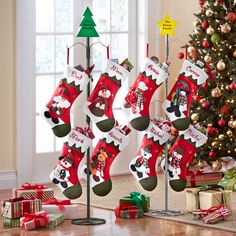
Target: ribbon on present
85	131
217	216
60	204
37	187
199	214
123	207
209	187
15	199
137	198
193	175
37	218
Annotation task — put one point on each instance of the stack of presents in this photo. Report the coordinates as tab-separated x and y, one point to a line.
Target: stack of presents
34	206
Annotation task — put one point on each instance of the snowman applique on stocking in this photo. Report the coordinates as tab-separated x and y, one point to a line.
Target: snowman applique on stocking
137	101
181	153
178	101
57	110
143	166
106	150
99	107
65	173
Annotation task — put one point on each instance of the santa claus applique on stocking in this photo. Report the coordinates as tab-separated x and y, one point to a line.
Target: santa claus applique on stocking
65	173
177	104
181	153
99	107
137	101
57	111
143	165
107	149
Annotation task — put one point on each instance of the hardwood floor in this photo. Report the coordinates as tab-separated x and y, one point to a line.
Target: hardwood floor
120	227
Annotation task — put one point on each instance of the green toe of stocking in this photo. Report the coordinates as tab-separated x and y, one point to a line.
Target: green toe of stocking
149	183
106	125
140	123
178	185
103	188
73	192
181	124
61	130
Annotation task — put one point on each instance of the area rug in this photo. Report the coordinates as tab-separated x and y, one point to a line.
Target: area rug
176	201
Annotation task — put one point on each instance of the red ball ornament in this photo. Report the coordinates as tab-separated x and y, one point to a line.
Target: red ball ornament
211	130
221	122
225	109
180	55
205	24
232	86
196	98
219	1
212	154
206	43
205	85
206	105
231	16
201	2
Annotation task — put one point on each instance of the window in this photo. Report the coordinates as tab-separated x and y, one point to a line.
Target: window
44	29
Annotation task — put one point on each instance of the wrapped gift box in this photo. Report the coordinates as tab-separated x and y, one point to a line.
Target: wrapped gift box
32	221
200	198
16	207
128	212
54	206
197	178
55	220
11	222
229	180
137	199
36	191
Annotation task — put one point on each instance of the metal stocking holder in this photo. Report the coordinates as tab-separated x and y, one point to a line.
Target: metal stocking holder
88	220
166	211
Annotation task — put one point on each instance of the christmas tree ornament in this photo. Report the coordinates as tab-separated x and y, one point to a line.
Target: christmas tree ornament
211	130
191	49
206	43
196	98
205	85
106	150
181	153
201	164
206	105
221	122
216	165
137	101
219	1
209	12
229	133
99	105
212	154
65	173
234	53
221	137
215	38
177	104
195	23
57	110
231	123
205	24
225	109
201	2
216	92
208	59
232	86
225	28
220	65
180	55
143	165
214	144
195	117
234	124
231	16
210	30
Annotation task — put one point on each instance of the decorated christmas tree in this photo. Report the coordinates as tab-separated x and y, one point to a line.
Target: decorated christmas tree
213	44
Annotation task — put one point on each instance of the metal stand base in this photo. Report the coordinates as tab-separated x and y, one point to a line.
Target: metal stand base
88	221
165	213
